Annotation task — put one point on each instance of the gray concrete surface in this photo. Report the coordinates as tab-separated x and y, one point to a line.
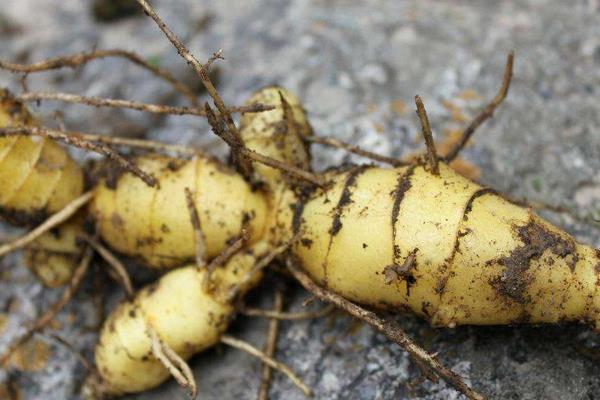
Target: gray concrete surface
349	61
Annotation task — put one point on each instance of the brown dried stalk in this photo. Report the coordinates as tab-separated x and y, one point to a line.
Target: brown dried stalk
261	264
54	220
223	257
69	346
287	316
248	348
270	347
133	105
242	163
176	365
199	239
51	313
487	112
117	266
354	149
137	143
78	59
219	130
73	139
390	328
432	158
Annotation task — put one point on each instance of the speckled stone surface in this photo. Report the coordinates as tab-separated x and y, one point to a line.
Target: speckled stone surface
356	65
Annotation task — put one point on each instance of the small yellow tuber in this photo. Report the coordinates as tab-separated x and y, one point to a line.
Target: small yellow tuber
183	312
154	223
38	178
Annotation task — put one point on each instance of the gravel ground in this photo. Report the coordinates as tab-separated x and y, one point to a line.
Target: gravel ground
356	66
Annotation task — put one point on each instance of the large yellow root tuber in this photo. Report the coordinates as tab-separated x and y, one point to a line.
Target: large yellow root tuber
444	248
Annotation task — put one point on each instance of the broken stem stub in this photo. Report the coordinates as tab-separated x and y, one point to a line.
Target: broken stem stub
432	158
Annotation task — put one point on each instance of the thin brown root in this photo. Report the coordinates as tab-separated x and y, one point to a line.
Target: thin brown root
59	117
78	59
487	112
290	169
287	316
261	264
242	163
292	128
354	149
51	313
217	55
270	347
288	117
223	257
199	239
98	298
237	146
138	143
432	158
54	220
219	130
248	348
73	139
133	105
234	142
116	265
309	300
390	328
67	345
176	365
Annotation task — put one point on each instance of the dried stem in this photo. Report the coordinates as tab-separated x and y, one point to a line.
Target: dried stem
354	149
199	239
176	365
134	105
487	112
290	169
219	130
73	139
138	143
292	128
270	347
223	257
243	164
261	264
73	350
51	313
390	328
287	316
432	158
78	59
248	348
54	220
116	265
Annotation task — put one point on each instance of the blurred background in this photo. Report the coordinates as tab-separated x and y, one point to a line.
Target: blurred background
356	65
